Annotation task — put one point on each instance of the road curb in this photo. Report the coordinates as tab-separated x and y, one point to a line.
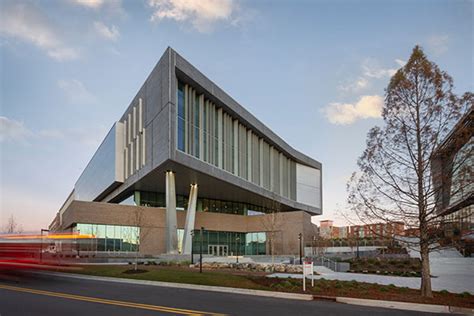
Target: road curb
232	290
428	308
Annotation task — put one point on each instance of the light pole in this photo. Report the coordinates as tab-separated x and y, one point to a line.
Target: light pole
357	243
312	244
300	237
192	246
78	244
41	250
238	245
200	251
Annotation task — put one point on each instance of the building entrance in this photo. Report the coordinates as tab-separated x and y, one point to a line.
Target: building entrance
218	250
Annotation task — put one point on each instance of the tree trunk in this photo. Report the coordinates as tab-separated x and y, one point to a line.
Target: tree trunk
425	271
272	249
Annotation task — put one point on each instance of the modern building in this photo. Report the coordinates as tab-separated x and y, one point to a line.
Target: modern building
453	177
185	155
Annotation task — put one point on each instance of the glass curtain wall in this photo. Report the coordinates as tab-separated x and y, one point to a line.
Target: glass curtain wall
207	132
213	242
110	237
153	199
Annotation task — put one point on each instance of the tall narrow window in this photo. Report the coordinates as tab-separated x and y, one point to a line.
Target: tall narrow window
204	130
181	116
196	126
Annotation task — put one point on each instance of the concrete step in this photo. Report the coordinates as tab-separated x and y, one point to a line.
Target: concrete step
322	270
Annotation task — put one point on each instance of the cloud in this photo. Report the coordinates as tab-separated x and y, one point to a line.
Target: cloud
12	130
27	23
438	44
109	33
359	84
400	62
202	14
368	106
372	69
113	7
76	92
92	4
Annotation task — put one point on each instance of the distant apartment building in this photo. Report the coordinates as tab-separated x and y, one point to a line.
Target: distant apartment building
325	229
378	230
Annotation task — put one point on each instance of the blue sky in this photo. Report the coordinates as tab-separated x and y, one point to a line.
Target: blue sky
313	71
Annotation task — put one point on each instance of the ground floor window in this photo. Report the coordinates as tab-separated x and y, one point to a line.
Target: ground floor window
109	237
460	222
220	243
158	199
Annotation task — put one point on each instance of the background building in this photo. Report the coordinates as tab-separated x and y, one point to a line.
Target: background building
185	155
375	231
453	177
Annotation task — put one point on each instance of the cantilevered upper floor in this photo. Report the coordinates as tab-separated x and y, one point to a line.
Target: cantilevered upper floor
181	121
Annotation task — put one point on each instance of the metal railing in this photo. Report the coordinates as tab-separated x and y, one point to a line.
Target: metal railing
331	264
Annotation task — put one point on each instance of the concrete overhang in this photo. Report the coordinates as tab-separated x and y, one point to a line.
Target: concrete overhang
213	183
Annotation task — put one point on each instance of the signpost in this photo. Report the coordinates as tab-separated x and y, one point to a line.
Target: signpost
307	270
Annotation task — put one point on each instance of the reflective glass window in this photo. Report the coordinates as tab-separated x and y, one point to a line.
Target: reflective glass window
181	116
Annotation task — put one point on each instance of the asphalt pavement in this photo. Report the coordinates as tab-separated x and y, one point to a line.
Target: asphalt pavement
24	293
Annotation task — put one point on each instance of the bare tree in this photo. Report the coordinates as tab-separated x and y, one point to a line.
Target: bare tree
272	224
320	246
395	181
138	219
12	226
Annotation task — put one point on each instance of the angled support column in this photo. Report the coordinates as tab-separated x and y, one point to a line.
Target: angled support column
190	219
171	221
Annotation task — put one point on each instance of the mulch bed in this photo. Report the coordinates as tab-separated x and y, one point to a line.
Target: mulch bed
366	291
133	271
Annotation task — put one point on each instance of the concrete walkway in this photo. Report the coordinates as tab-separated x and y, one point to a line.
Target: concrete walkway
450	270
455	275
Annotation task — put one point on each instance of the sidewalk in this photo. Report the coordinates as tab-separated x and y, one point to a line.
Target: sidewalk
463	281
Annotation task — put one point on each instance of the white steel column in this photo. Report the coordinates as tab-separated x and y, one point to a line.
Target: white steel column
171	221
190	219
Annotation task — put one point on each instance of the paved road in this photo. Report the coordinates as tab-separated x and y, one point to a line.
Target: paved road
23	293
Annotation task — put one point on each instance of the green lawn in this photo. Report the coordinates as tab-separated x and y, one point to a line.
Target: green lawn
176	275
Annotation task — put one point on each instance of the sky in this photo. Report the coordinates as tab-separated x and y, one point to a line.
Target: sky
312	71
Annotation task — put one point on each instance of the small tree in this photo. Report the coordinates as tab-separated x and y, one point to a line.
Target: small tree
272	224
320	246
395	181
12	226
138	219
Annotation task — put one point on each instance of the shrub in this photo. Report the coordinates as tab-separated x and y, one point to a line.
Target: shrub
465	294
444	292
371	260
383	289
403	289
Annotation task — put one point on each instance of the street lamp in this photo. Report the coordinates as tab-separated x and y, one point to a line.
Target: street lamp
312	244
300	237
238	246
41	250
192	246
200	251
